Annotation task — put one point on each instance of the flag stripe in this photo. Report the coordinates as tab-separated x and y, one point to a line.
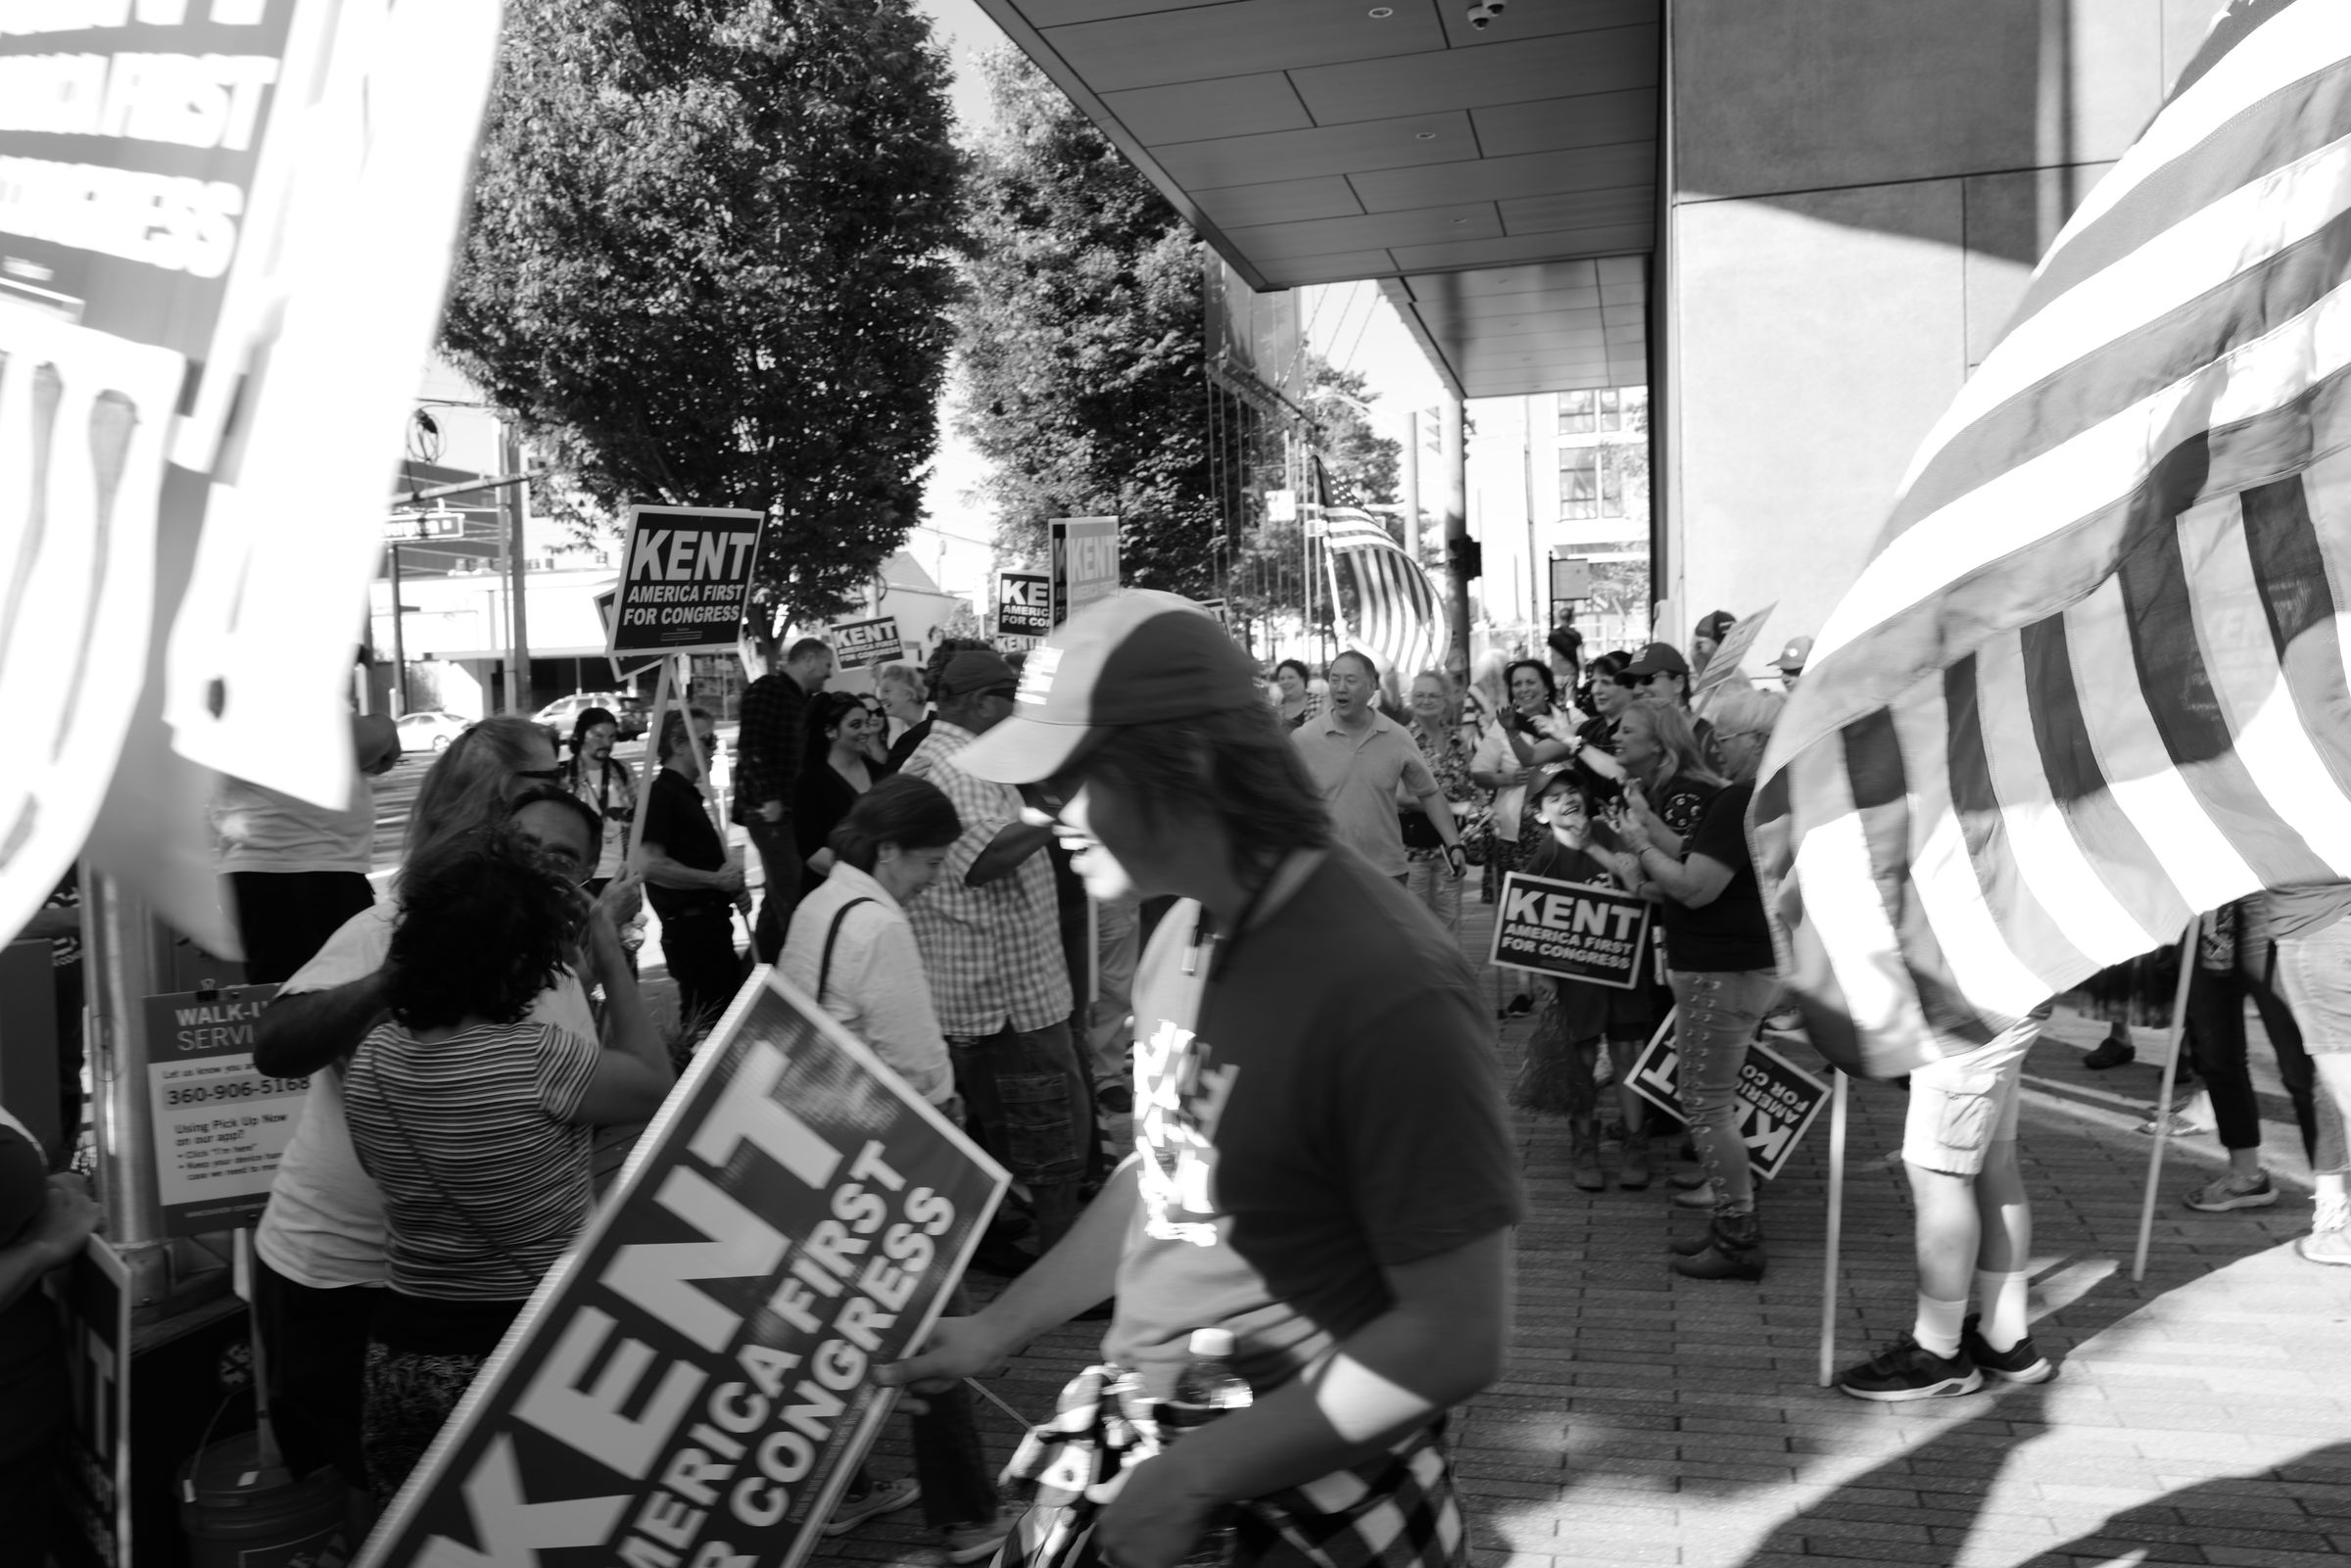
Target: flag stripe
2301	596
2161	353
2288	124
1848	936
2201	252
2233	629
2179	701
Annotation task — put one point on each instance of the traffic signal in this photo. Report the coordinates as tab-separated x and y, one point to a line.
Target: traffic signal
1467	556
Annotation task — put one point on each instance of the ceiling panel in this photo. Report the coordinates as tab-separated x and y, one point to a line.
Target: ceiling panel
1330	150
1476	220
1499	182
1494	179
1549	124
1472	78
1230	106
1515	248
1245	35
1281	200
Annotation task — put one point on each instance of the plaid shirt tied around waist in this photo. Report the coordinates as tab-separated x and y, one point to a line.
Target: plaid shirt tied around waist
1396	1509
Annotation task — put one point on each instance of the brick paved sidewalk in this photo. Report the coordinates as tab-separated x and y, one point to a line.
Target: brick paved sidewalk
2200	1416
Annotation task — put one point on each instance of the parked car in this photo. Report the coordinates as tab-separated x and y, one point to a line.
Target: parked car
429	731
564	712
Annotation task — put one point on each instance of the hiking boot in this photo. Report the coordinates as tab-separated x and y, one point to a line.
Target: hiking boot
1906	1370
969	1542
2017	1363
2225	1192
1700	1196
1586	1171
1636	1173
2330	1238
1687	1180
882	1496
2111	1052
1734	1250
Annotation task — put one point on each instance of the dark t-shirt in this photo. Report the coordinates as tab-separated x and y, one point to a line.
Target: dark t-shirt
674	818
33	1379
1327	1107
818	803
1731	933
903	746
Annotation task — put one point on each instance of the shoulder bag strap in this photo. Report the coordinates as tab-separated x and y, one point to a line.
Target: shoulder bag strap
427	1166
824	965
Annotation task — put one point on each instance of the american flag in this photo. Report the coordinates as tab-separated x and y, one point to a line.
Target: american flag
2092	680
1397	619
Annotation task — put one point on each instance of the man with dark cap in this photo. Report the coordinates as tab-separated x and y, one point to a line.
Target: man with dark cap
1790	662
990	934
1711	630
1323	1171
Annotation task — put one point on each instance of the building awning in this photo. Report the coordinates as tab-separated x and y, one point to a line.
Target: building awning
1501	183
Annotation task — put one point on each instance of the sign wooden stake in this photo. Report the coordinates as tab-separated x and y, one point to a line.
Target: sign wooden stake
1839	1088
2163	1100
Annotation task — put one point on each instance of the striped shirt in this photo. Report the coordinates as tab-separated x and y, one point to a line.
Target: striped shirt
993	953
485	1184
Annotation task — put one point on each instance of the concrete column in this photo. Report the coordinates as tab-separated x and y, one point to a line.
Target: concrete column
1453	515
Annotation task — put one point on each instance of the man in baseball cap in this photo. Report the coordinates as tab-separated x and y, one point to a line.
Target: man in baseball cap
1711	630
1790	662
1323	1169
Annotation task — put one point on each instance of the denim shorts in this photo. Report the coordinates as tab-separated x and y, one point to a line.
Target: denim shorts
1961	1105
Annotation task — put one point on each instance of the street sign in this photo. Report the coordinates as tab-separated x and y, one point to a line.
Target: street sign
220	1126
1777	1101
1024	605
685	579
1570	578
692	1383
1085	563
1574	930
859	644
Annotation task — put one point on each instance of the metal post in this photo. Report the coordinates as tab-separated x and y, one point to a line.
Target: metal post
1827	1284
118	935
1534	573
2163	1100
518	514
1410	486
1453	462
399	642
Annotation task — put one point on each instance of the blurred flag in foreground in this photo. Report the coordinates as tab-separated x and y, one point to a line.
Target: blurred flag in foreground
2093	680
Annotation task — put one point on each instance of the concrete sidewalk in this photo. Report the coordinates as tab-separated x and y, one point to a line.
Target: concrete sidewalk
2200	1416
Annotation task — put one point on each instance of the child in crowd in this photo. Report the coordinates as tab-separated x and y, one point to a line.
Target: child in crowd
1560	1074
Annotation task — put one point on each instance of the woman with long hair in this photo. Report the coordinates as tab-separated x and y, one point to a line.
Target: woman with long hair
1672	783
836	766
1720	963
1446	748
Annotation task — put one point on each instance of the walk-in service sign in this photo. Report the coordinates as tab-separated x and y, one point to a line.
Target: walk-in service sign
1574	930
692	1386
220	1125
685	579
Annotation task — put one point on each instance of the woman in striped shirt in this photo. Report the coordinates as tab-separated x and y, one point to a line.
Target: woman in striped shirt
474	1118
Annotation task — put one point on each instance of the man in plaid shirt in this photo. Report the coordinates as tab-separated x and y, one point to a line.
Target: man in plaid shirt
990	941
767	763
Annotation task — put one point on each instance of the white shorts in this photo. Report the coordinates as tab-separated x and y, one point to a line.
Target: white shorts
1961	1105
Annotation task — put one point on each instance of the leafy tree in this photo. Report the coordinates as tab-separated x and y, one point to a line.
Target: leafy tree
1082	374
710	261
1362	463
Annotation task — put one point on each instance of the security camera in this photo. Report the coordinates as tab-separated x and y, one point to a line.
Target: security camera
1482	12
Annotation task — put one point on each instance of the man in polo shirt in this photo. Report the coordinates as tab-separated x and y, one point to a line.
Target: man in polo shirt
1367	767
1323	1169
989	934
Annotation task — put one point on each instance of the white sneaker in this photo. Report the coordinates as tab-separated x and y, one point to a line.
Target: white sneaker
2330	1238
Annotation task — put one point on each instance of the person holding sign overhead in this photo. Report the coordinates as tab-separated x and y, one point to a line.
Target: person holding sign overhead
1724	974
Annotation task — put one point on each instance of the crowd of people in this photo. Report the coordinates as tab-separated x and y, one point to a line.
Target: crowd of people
1180	944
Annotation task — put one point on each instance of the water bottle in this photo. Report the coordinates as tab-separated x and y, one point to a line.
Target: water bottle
1206	1389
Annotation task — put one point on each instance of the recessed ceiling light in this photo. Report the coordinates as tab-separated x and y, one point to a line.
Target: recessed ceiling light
1424	135
1383	13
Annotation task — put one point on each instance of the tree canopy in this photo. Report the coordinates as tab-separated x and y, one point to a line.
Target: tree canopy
710	260
1083	380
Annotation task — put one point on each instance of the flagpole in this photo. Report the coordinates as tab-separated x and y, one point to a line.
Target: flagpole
2163	1100
1827	1284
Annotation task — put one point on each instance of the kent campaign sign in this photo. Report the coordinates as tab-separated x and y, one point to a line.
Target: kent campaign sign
859	644
685	579
691	1387
1084	562
1023	607
1571	930
1777	1099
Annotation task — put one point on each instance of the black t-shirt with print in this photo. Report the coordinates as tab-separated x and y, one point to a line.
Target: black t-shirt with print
675	820
1327	1107
1731	933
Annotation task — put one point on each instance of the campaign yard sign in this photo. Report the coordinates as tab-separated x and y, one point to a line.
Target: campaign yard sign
857	644
1777	1101
220	1125
1574	930
1024	605
1085	563
691	1387
685	579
